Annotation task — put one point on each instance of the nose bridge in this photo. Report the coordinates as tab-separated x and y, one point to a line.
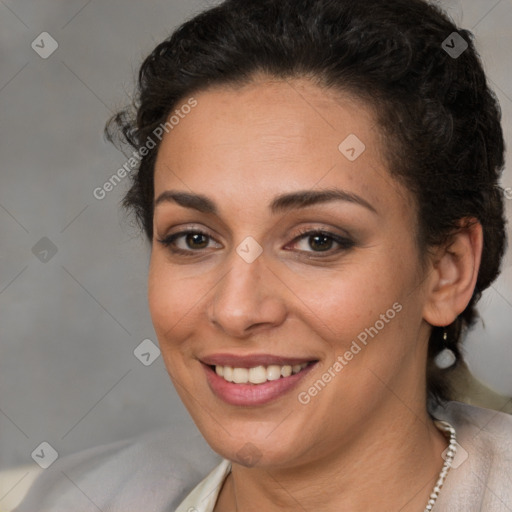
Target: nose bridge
245	296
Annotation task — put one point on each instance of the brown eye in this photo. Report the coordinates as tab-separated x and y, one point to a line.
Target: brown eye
195	241
195	238
322	241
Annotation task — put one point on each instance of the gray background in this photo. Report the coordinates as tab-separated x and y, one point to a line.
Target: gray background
69	326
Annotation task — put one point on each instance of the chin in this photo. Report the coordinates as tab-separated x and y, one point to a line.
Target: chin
253	446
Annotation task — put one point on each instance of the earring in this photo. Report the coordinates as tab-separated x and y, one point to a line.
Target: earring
446	357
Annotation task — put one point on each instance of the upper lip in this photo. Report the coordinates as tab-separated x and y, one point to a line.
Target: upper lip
251	361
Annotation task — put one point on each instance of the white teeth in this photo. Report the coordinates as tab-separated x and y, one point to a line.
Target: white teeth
240	375
286	370
273	372
228	373
258	374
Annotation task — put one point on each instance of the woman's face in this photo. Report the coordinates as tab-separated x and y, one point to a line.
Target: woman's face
254	292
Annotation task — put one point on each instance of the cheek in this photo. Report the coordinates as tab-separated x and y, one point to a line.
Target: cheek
364	313
344	303
171	301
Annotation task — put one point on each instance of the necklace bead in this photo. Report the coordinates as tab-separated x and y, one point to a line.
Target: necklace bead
450	455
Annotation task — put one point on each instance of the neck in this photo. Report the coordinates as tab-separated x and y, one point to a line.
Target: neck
392	464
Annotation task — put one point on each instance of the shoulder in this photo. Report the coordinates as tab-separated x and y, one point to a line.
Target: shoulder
489	425
153	472
481	473
481	430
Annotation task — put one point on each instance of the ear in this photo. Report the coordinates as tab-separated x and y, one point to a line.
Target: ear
453	274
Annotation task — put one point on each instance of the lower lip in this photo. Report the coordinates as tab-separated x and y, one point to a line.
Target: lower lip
253	394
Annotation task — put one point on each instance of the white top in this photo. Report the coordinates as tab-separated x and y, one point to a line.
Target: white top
150	475
205	494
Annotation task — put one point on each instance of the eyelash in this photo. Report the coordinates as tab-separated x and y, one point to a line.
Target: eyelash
345	243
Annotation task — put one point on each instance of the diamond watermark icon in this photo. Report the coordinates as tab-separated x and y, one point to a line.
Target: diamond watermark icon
45	455
147	352
352	147
44	45
249	454
249	249
44	250
454	45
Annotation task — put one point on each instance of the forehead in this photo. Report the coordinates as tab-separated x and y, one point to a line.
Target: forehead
243	143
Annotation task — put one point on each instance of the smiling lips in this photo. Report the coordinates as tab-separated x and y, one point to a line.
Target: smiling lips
257	374
253	380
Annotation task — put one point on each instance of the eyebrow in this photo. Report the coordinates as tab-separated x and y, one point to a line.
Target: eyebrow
281	203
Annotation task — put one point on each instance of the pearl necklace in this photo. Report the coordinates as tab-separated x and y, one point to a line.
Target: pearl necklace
450	454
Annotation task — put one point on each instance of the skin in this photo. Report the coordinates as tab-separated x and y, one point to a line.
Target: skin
365	442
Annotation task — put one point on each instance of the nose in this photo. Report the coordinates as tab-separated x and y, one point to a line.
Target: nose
247	299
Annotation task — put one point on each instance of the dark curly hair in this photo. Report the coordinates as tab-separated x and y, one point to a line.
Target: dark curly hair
439	118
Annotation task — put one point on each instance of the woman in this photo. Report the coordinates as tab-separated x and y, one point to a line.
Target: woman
319	185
